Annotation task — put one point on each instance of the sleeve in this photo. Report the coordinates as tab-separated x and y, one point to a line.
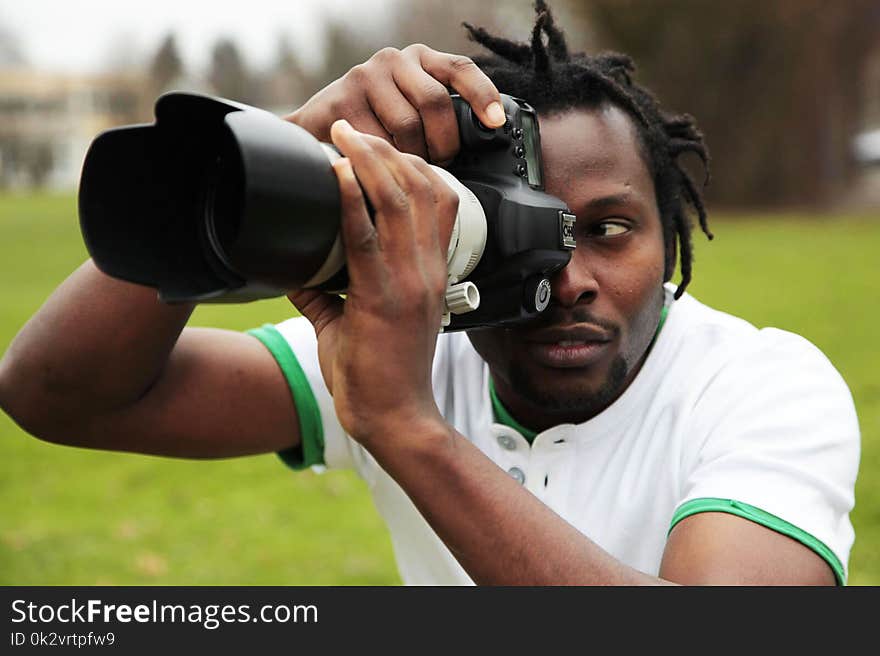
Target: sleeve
778	443
324	443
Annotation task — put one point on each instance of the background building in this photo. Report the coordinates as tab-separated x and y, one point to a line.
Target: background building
47	121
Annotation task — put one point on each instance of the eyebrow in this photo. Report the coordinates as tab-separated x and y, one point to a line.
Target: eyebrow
604	202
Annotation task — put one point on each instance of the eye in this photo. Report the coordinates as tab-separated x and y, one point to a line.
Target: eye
609	229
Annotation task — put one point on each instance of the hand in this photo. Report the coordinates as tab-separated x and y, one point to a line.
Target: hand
402	97
376	348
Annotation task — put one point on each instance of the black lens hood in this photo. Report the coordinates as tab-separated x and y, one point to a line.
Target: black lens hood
214	201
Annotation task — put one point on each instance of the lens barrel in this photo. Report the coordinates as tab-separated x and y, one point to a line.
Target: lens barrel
215	201
222	202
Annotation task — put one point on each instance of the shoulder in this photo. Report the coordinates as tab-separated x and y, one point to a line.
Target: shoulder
712	344
769	395
763	389
770	423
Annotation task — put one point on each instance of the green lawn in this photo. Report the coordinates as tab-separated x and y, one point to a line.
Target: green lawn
72	516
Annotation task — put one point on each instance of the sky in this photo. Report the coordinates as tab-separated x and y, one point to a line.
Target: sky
91	35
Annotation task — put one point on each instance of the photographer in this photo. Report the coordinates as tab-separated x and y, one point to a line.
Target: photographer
632	435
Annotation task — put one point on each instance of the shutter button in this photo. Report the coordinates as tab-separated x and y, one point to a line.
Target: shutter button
507	442
517	475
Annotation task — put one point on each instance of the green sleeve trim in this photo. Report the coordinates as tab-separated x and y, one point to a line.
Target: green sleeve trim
502	416
763	518
311	449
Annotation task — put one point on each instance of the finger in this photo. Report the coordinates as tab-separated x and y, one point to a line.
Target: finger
390	202
434	211
463	75
445	206
334	103
434	105
360	115
359	235
363	119
352	104
319	308
397	115
417	250
433	204
410	173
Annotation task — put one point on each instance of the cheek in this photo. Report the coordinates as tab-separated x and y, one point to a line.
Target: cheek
636	290
632	282
644	311
490	344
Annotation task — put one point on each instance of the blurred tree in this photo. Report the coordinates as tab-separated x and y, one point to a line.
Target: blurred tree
344	46
775	84
122	54
11	156
287	85
25	162
436	23
166	66
229	75
39	163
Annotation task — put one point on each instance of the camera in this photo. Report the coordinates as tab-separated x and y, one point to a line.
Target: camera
217	201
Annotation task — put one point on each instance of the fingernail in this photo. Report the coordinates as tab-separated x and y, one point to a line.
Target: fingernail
495	112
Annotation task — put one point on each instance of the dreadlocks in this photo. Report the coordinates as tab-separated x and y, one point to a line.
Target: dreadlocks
553	79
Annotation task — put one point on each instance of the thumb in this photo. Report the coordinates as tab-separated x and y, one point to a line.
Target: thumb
320	308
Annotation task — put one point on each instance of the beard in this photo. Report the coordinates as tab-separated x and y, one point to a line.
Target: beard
572	402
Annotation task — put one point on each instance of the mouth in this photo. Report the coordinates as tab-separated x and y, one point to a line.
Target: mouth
567	348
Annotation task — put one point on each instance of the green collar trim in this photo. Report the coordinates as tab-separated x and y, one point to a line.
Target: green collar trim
503	416
663	314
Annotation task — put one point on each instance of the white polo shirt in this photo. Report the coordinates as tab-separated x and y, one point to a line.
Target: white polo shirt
721	417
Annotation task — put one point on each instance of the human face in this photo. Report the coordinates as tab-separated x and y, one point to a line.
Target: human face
588	345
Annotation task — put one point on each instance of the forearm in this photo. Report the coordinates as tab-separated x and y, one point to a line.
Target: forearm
96	344
499	532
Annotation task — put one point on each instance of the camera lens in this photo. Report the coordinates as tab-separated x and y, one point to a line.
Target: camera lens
223	203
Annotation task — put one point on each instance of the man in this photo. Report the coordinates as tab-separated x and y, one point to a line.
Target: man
632	436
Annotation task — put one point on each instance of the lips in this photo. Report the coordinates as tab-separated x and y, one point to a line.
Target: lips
568	347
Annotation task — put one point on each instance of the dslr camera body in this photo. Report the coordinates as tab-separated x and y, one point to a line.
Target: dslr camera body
222	202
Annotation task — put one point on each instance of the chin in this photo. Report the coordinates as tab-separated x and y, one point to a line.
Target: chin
570	391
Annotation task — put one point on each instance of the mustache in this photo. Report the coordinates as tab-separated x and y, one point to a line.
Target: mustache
556	315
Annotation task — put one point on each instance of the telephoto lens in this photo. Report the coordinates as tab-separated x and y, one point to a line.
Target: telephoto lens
222	202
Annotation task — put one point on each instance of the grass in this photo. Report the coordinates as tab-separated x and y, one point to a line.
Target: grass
76	517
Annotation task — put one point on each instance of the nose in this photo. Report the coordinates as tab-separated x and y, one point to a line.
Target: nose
574	283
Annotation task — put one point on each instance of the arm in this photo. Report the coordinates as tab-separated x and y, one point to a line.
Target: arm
104	364
503	535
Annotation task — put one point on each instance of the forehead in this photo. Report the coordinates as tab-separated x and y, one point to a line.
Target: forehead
590	152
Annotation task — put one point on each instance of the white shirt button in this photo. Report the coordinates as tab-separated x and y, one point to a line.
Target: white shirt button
517	474
507	441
